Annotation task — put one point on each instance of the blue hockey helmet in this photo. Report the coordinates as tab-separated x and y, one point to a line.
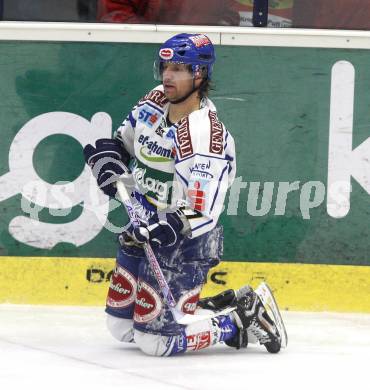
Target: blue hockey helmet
195	50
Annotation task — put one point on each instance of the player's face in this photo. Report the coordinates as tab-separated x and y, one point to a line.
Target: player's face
177	80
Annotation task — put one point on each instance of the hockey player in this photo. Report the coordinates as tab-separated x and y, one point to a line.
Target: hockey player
182	160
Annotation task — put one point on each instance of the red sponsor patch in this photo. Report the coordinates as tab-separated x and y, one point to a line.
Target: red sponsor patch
188	302
156	97
153	118
166	53
122	289
198	341
148	303
216	143
200	40
197	197
184	138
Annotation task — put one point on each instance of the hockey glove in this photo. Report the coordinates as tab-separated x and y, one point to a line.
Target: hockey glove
164	231
108	160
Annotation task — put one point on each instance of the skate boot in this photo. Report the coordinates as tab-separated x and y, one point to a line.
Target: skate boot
252	318
224	299
228	298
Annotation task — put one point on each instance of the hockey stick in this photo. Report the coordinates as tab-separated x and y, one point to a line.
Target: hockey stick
178	315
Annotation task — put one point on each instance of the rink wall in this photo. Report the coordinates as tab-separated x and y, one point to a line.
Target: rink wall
296	102
78	281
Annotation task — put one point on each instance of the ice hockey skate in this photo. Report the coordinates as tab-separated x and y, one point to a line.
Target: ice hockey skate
257	316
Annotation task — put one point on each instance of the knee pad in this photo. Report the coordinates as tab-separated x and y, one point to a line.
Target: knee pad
158	345
120	328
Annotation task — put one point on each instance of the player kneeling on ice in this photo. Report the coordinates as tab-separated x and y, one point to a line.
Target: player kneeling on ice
177	161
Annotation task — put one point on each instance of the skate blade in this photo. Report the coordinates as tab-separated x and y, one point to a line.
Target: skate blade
268	300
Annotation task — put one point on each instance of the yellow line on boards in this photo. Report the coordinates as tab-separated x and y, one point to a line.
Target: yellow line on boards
85	281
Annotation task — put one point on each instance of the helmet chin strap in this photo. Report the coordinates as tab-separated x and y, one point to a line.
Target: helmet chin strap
182	99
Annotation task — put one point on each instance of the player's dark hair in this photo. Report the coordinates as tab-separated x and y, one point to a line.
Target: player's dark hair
204	88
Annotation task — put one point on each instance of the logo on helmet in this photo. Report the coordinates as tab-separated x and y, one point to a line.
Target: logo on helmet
200	40
166	53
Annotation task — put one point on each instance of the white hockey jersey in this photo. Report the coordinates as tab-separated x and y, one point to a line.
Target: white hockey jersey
191	163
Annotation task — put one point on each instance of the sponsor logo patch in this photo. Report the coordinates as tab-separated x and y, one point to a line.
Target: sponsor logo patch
198	341
166	53
217	138
153	152
184	138
148	116
197	196
122	289
147	183
148	303
188	302
170	134
201	170
159	131
200	40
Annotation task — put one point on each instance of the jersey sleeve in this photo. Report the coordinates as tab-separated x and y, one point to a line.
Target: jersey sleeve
126	132
205	167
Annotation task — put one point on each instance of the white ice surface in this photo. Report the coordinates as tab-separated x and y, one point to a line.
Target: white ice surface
45	347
